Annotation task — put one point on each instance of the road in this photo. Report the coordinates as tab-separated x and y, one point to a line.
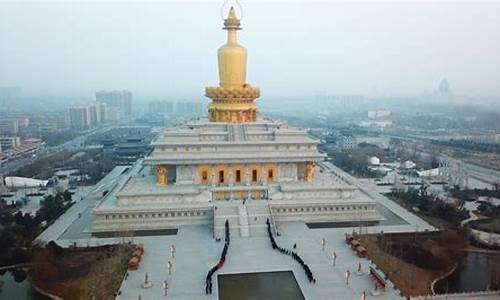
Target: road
486	175
74	144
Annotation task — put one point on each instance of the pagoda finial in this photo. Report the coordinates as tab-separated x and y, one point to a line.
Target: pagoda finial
232	21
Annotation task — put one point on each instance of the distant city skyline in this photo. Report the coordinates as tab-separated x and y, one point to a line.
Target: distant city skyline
297	48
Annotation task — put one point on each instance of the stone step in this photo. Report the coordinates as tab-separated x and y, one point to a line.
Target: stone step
244	219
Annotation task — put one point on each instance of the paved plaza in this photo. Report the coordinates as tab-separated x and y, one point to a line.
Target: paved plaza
197	252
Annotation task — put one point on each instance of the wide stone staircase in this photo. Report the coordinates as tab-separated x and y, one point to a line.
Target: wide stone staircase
245	220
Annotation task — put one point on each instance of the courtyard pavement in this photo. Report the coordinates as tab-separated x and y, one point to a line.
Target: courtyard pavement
197	252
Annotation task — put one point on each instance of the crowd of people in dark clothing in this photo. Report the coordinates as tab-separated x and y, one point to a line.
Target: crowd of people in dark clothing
220	264
293	254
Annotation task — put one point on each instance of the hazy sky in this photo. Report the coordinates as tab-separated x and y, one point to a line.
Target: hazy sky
304	48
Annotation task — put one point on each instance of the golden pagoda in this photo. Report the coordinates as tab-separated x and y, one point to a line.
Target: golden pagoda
233	168
233	99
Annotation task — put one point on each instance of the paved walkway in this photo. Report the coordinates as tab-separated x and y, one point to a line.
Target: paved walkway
197	252
416	222
58	228
79	216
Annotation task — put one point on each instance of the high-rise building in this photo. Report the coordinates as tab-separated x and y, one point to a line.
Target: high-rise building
9	126
13	123
9	142
127	103
45	122
119	103
102	112
78	118
189	108
162	107
87	116
444	87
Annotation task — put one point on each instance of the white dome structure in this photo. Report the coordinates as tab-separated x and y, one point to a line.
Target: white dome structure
409	164
374	161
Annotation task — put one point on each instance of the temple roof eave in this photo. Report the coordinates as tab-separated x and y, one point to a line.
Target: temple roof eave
179	206
231	160
312	142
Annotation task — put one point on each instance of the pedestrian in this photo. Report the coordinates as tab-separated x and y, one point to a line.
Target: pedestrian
323	244
172	250
363	296
165	287
295	246
334	258
170	267
347	276
359	268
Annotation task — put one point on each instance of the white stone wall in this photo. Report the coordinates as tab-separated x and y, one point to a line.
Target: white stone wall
158	219
325	212
186	174
287	172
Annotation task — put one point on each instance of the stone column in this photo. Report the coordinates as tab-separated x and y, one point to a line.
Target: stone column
295	172
212	181
278	173
230	176
247	176
230	181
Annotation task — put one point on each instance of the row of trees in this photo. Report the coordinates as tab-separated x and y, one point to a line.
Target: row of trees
91	163
18	230
52	206
355	161
43	167
470	145
431	205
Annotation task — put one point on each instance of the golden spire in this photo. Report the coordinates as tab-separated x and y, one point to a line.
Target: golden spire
233	98
232	56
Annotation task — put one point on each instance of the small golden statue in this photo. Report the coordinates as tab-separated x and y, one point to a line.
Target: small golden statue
309	173
161	175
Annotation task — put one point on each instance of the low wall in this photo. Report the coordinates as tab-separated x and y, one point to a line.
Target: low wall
488	238
473	295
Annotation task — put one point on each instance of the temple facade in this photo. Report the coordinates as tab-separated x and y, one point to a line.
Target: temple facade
234	166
